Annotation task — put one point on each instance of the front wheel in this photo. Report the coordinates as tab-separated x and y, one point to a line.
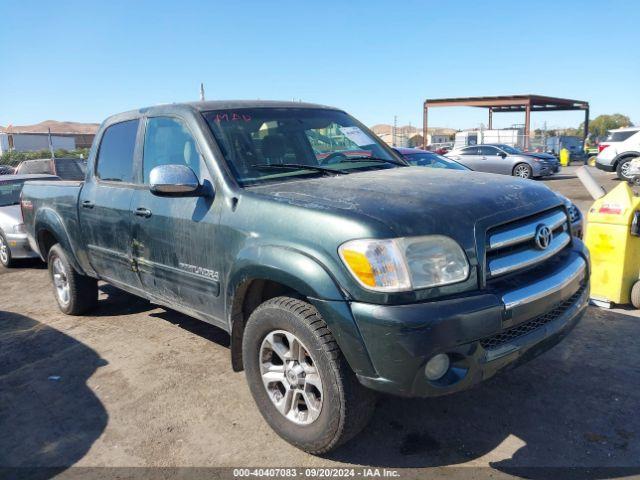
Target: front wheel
299	379
75	293
522	170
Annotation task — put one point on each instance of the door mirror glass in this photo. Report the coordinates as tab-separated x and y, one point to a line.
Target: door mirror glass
173	180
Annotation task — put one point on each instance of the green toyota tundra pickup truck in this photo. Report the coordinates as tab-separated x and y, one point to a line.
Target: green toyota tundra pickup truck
337	269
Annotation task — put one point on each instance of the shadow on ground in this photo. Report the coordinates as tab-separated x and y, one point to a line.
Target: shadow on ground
48	415
575	406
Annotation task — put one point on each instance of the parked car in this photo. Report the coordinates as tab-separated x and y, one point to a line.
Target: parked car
64	168
425	158
13	238
6	170
336	275
422	158
507	160
620	147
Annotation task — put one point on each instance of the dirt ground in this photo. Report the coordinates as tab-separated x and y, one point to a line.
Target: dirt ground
135	385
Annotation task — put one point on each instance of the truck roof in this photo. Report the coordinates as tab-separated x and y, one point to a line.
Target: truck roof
211	105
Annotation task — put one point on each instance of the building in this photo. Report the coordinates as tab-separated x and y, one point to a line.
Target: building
27	142
64	135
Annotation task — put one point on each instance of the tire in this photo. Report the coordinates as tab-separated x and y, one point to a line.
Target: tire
635	295
5	253
343	406
522	170
621	168
76	294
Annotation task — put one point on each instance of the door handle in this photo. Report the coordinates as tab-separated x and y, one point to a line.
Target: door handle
88	204
143	212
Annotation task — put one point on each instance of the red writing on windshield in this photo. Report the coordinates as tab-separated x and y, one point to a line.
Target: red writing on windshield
232	117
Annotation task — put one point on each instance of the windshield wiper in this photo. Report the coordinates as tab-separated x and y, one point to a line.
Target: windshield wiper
297	166
364	158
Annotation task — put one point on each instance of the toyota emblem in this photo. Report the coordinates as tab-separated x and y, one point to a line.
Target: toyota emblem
543	237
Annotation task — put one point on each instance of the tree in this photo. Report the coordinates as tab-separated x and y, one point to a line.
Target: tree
599	126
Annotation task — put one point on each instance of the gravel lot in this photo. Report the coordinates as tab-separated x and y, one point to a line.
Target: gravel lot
138	385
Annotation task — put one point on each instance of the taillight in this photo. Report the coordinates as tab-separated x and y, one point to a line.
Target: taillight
602	147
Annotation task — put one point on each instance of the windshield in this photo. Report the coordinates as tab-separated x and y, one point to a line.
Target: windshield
433	160
253	139
10	192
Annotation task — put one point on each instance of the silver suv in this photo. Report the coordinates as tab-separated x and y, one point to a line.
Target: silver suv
505	159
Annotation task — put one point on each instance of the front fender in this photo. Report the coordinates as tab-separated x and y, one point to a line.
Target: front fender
48	220
304	274
285	265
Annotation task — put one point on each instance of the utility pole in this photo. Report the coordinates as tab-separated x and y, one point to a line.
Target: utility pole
201	92
393	131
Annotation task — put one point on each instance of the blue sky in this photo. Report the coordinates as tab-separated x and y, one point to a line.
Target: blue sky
82	61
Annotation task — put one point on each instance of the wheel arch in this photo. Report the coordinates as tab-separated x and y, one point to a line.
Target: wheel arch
49	230
623	155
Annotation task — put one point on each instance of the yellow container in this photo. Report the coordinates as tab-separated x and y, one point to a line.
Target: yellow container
615	252
564	157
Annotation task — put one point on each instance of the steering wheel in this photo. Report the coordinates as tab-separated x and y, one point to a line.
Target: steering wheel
333	158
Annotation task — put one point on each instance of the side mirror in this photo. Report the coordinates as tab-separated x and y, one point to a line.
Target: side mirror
502	154
173	180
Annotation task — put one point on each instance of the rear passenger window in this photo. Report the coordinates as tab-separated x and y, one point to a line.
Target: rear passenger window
167	141
115	157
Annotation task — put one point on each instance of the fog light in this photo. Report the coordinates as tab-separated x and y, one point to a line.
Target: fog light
437	366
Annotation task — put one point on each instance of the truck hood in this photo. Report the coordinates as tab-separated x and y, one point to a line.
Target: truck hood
419	200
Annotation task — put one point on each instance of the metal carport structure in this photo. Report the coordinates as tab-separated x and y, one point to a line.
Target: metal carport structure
508	103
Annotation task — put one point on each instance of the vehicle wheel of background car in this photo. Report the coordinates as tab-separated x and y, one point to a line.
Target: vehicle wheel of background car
522	170
299	379
622	168
635	295
75	293
5	252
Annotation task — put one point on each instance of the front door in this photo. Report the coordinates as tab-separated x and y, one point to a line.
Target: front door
174	238
105	205
492	161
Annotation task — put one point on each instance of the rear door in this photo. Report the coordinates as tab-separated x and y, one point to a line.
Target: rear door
174	240
469	157
105	205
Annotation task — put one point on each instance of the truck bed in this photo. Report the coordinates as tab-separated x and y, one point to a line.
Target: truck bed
55	199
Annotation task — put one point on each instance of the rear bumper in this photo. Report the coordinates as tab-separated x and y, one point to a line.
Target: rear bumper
482	334
19	246
607	167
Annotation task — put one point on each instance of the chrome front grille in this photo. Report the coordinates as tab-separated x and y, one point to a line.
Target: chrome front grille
513	247
499	339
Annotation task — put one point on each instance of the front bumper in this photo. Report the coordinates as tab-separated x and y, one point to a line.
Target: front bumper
19	246
482	334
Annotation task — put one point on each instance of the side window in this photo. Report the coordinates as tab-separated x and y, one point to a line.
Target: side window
167	141
488	151
469	151
115	156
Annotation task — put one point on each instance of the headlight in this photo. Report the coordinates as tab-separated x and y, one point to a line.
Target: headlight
407	263
19	228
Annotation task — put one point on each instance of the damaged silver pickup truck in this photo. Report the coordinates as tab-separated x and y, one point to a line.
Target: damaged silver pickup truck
337	269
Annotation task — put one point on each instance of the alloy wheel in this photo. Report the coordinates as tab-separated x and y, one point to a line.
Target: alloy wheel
522	171
290	376
4	252
60	281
